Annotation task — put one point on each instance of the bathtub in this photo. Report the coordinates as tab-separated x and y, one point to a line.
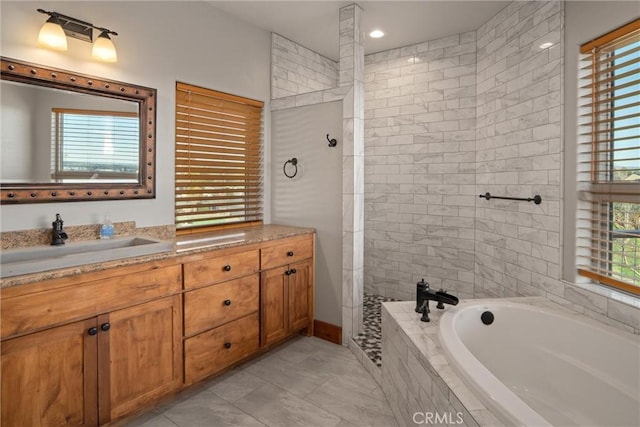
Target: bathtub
535	366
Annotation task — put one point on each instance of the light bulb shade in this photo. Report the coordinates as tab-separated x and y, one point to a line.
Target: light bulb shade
103	48
52	35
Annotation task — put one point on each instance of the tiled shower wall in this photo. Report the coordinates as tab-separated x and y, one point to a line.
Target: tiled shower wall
468	114
296	69
518	149
420	126
424	172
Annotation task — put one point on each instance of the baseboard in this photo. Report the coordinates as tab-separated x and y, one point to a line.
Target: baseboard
327	331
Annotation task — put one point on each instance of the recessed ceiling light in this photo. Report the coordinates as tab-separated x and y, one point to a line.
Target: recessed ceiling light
546	45
376	34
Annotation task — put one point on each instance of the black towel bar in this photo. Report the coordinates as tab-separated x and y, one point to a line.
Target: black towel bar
536	199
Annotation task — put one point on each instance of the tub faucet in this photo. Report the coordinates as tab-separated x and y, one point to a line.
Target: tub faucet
59	236
424	294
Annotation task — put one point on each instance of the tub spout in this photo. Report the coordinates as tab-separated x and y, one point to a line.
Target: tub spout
424	294
444	298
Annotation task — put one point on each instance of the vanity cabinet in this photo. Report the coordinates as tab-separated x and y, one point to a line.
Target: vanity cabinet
90	348
286	289
50	377
221	306
65	371
142	353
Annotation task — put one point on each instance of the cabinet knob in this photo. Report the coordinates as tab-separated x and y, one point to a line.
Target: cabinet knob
287	273
227	267
92	331
290	253
105	326
227	345
227	302
293	271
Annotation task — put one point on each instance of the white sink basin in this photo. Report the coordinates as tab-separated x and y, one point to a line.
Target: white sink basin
42	258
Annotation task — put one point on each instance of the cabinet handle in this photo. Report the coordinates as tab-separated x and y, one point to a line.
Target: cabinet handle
105	326
227	267
227	345
227	302
287	273
290	253
293	271
92	331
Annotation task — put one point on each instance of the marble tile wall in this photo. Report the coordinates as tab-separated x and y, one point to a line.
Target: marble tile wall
519	149
296	69
420	167
352	75
449	119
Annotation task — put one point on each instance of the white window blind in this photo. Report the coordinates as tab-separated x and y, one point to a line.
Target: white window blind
100	145
218	159
608	221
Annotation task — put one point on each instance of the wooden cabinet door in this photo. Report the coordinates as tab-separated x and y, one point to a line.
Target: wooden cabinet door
299	295
49	378
145	354
273	305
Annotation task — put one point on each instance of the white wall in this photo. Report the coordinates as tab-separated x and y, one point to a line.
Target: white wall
16	124
313	197
158	44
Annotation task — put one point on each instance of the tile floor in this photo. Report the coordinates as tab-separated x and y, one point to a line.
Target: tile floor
304	382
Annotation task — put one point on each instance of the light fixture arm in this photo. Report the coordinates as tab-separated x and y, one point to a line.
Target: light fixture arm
77	28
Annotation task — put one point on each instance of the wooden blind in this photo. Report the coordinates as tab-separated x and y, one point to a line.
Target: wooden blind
218	159
94	144
608	222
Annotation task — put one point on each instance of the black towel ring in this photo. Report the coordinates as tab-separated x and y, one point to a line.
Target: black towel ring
293	162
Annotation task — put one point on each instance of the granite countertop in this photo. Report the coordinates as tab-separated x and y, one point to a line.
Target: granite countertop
183	245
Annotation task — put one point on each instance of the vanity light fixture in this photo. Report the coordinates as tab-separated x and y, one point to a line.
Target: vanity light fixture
103	48
58	27
52	35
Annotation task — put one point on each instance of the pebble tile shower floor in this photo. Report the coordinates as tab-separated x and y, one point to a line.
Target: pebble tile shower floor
370	339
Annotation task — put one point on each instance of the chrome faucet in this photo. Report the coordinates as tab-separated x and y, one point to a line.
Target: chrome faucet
424	294
59	236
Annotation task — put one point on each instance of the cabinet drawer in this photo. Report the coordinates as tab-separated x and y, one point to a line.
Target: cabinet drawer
218	348
84	299
219	269
214	305
286	252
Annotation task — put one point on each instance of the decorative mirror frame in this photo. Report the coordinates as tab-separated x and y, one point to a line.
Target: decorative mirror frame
24	72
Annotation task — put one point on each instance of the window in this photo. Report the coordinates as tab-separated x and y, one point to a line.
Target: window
97	145
609	160
218	159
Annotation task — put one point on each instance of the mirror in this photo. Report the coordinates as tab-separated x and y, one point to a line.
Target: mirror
71	137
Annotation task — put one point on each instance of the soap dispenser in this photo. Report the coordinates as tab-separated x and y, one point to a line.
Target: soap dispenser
107	230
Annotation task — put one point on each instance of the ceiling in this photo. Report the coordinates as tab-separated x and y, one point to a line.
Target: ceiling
314	24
